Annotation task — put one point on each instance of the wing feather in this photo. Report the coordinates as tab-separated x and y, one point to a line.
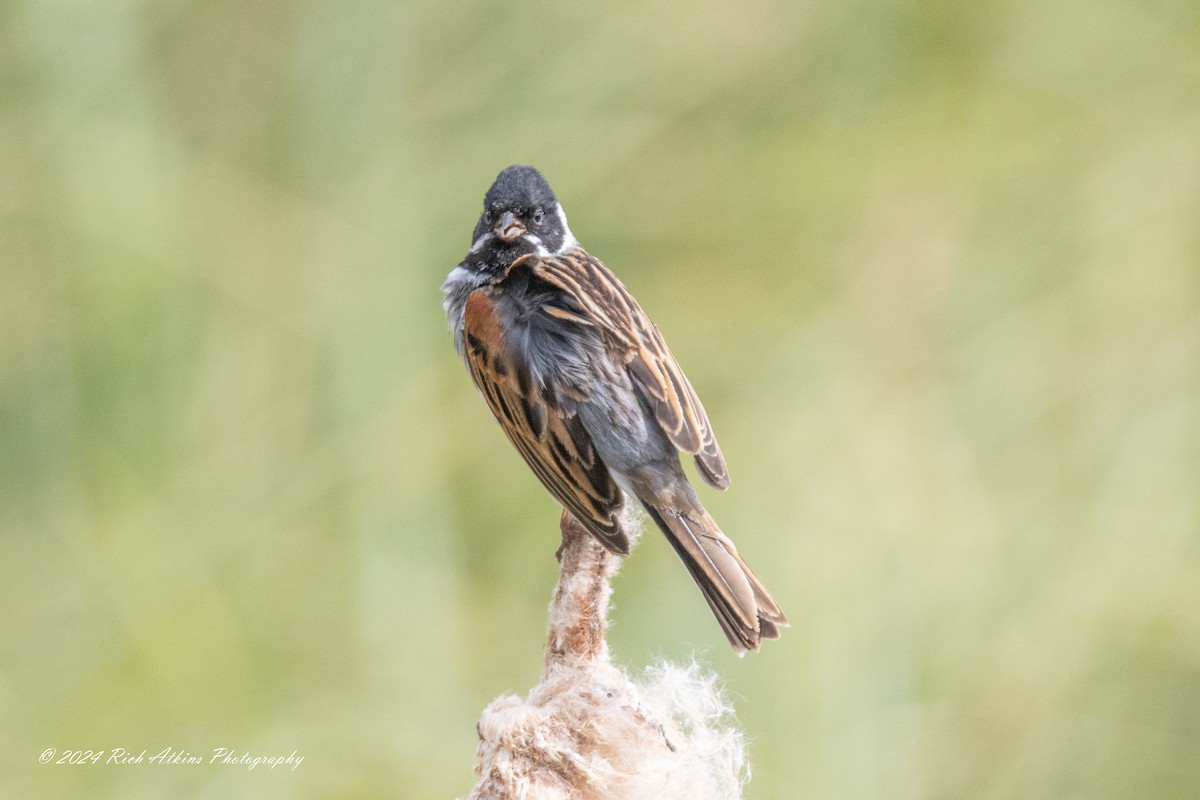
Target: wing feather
546	432
607	304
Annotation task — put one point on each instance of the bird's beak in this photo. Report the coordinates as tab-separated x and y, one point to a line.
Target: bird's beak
508	227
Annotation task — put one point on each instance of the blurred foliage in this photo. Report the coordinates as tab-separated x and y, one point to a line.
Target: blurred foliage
934	268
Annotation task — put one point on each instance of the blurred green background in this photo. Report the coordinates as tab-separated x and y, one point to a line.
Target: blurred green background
934	268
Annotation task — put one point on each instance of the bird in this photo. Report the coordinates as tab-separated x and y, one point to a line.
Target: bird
584	386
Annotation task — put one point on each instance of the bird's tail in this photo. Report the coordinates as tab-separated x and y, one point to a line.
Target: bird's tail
747	612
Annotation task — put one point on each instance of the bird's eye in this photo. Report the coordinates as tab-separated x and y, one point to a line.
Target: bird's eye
487	216
538	216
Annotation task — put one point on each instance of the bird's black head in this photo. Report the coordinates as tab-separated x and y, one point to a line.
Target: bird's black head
521	215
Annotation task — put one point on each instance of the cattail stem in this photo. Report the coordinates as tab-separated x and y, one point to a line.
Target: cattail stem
586	731
579	609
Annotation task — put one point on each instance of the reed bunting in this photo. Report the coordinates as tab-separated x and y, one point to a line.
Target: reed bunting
584	386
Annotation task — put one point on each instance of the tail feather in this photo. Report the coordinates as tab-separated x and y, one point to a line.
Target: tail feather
742	605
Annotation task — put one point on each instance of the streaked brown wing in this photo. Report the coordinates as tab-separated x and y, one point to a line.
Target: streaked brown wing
611	307
551	439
